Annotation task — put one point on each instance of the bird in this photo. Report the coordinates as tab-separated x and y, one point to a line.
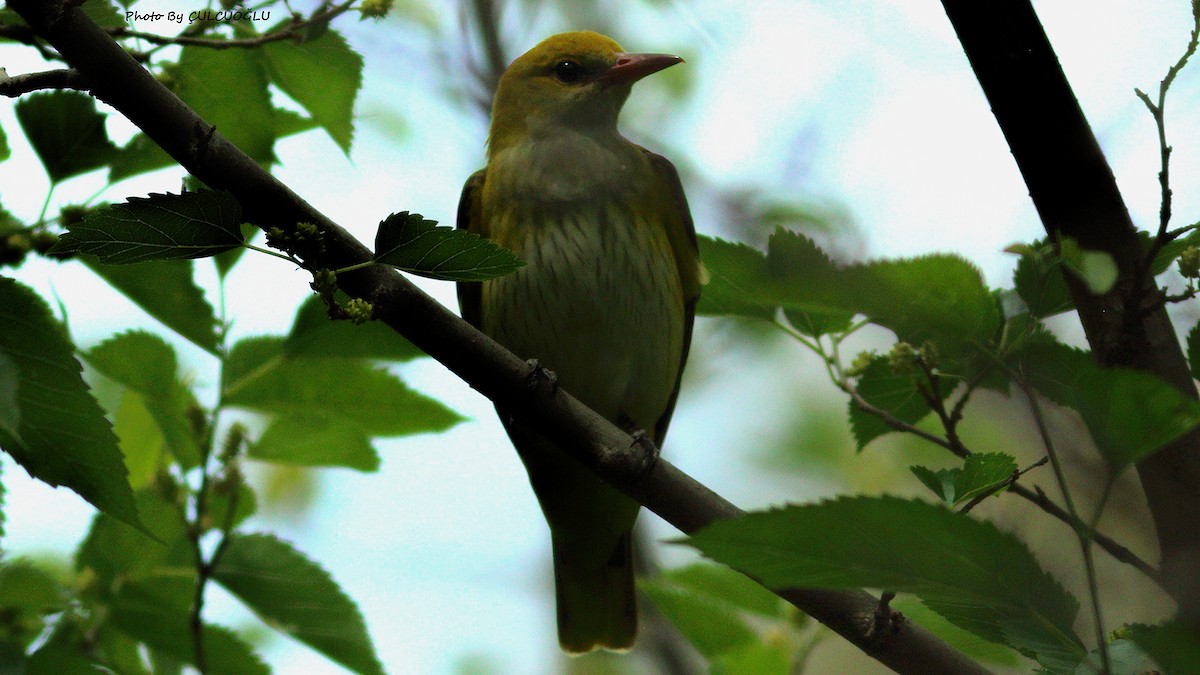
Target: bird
605	301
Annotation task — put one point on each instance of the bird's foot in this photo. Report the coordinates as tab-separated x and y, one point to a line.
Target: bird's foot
540	376
644	453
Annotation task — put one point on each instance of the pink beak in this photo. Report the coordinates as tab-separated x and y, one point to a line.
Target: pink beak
630	68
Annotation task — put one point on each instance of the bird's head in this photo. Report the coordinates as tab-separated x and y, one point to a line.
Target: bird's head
573	81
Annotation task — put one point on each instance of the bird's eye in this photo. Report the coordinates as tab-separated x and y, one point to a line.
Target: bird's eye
568	71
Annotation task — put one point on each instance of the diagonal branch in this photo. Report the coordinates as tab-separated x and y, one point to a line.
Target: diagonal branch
119	81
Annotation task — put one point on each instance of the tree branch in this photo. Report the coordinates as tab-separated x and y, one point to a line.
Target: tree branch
1075	194
121	82
16	85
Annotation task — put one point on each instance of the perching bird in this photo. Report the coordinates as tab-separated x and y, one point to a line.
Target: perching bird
605	301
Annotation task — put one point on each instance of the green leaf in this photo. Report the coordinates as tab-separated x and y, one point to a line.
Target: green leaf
770	658
939	298
104	13
795	275
5	151
1193	350
315	334
316	440
728	586
738	284
139	155
49	422
895	393
965	641
940	482
712	626
166	291
146	364
978	577
1096	269
1124	658
1169	252
982	471
23	586
141	439
794	258
259	376
163	624
161	227
1039	281
288	123
296	596
323	75
1129	413
66	132
114	551
228	88
1174	645
411	243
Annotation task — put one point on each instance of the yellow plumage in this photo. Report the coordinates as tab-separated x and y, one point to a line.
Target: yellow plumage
605	300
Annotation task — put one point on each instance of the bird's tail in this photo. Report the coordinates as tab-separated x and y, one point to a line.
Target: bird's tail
596	607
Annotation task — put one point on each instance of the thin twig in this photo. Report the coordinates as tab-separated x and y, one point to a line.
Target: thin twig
62	78
1158	112
1082	532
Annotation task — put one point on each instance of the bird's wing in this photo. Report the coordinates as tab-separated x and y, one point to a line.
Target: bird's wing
470	218
681	232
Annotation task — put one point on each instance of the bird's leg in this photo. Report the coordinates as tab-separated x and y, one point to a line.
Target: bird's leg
540	376
646	455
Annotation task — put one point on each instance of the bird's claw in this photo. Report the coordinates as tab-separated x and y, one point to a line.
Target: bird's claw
539	376
647	452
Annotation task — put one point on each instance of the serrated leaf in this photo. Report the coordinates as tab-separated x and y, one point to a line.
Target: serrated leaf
114	551
1174	645
1038	279
939	298
978	577
1129	413
66	132
321	74
161	227
796	276
1167	255
895	393
940	482
982	471
163	623
228	88
314	334
259	376
49	423
297	596
410	243
166	291
316	440
146	364
289	123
